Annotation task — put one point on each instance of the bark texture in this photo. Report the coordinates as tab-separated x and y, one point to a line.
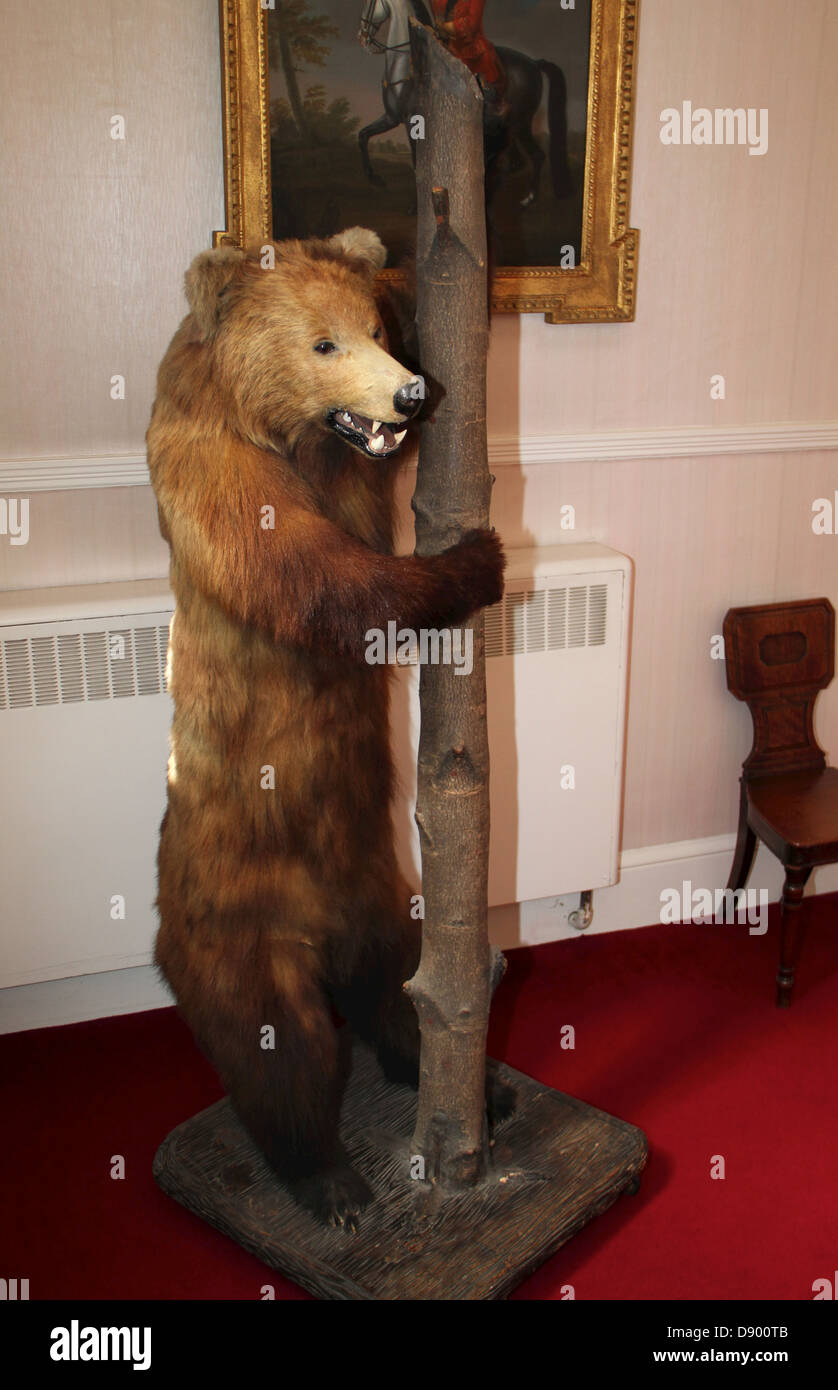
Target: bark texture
452	987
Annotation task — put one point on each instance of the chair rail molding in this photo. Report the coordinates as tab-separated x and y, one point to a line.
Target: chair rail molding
59	473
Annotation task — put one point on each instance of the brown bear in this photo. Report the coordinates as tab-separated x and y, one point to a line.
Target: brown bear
278	415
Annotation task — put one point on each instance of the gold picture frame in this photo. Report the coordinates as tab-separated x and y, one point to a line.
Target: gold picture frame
599	289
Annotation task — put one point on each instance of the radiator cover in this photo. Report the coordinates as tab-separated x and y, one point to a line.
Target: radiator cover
84	725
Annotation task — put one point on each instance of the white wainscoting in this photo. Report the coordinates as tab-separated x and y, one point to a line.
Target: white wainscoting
129	470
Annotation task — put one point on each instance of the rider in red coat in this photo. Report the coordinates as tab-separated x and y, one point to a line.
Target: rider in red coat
460	26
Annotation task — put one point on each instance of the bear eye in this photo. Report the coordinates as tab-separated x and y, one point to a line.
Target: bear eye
377	334
325	346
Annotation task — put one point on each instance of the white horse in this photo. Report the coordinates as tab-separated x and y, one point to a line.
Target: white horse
397	82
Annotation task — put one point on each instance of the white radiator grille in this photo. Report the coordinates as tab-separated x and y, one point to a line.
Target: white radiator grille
84	761
65	668
551	619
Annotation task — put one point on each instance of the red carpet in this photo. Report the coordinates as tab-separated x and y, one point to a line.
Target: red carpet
676	1030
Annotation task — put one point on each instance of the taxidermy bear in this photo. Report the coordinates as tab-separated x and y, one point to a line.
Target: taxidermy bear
278	416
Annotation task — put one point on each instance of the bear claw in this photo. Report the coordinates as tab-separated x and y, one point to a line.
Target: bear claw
335	1196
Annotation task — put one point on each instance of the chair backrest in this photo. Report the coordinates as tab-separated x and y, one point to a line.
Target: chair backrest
778	657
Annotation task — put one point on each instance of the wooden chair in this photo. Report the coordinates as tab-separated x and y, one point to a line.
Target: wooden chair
778	657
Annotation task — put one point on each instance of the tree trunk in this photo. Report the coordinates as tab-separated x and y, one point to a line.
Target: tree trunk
452	987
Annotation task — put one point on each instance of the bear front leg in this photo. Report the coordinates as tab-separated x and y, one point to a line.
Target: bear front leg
415	591
309	583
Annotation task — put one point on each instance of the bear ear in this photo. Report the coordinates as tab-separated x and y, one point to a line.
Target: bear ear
361	245
208	276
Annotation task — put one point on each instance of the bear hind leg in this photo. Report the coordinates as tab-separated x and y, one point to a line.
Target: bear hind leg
382	1014
285	1085
374	1001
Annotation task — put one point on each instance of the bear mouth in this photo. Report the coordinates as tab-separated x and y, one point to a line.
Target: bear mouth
375	438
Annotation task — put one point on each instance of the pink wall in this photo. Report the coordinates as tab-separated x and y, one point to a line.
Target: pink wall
737	275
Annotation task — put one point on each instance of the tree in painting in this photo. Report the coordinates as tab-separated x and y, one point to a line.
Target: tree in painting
297	38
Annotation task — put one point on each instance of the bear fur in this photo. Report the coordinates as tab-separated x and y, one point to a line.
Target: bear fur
279	897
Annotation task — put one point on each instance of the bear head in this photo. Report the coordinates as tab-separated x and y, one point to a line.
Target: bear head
297	342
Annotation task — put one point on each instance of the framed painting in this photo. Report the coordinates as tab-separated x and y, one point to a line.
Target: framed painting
318	130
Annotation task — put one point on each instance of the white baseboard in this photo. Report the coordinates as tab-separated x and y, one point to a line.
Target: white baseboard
636	900
633	902
81	997
56	474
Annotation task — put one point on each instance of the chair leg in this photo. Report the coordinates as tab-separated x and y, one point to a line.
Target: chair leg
746	847
796	880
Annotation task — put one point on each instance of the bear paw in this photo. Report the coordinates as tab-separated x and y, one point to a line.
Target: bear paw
501	1098
335	1196
475	567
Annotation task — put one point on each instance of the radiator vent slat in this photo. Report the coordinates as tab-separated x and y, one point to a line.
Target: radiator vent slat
557	619
597	605
576	613
494	630
70	667
45	670
535	609
147	661
515	617
121	662
18	672
96	666
550	619
163	643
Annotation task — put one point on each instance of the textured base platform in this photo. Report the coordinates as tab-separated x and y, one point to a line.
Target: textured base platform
556	1164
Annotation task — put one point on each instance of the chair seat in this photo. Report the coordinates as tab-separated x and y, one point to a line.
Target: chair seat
796	815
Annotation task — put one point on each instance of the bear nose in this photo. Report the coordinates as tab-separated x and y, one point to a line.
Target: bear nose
409	397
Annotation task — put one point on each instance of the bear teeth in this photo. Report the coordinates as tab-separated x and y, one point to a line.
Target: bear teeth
376	426
347	417
377	444
399	435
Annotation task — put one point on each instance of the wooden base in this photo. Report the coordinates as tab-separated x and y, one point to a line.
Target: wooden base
556	1164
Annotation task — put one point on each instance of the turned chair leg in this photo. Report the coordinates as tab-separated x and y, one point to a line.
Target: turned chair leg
796	880
746	847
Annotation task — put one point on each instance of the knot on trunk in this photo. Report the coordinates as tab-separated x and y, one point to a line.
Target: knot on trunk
457	773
